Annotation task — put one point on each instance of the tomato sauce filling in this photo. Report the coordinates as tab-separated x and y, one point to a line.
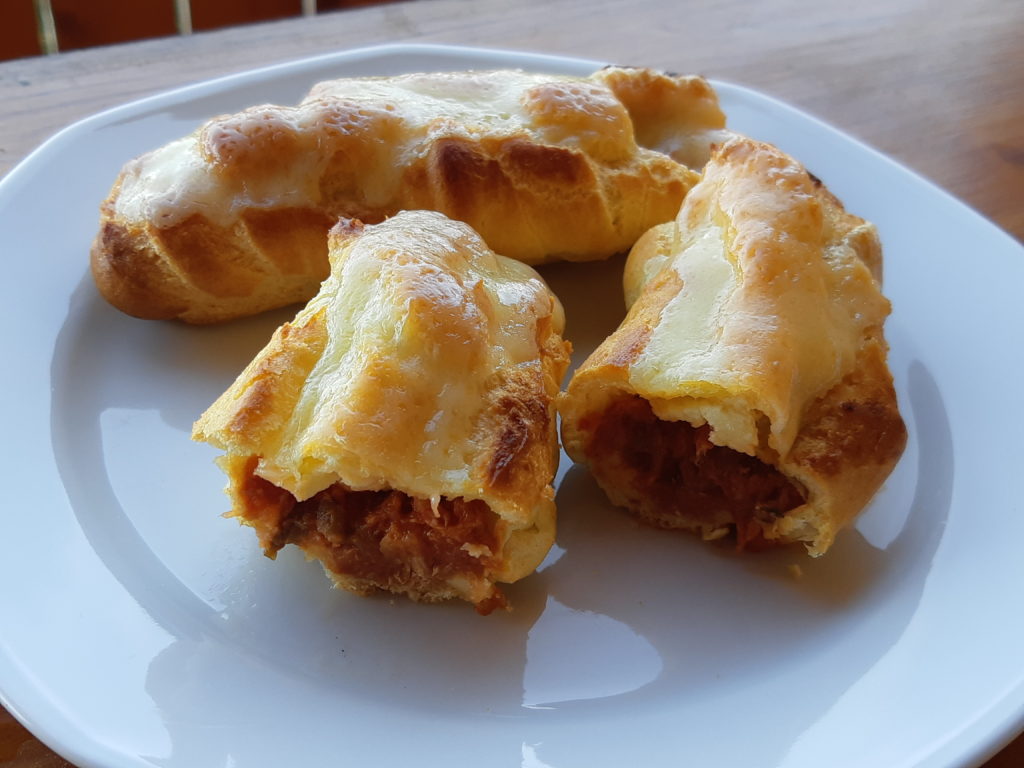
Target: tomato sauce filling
388	539
673	471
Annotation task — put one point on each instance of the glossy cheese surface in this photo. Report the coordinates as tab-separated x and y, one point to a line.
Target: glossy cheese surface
232	219
356	137
756	317
426	364
770	311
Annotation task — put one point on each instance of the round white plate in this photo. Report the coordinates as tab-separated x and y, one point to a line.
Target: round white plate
141	628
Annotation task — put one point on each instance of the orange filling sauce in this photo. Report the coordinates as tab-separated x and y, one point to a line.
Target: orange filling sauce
673	470
388	539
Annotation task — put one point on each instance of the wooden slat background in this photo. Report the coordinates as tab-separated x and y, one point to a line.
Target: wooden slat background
18	35
102	22
87	24
212	14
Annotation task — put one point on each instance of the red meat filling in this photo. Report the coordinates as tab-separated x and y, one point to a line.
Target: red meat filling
387	539
675	477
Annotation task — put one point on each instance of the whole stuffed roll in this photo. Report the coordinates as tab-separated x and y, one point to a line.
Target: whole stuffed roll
746	394
401	428
232	219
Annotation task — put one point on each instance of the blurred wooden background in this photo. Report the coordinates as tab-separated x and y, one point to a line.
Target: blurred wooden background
34	27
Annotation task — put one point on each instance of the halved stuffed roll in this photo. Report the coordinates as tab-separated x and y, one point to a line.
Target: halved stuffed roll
401	429
747	392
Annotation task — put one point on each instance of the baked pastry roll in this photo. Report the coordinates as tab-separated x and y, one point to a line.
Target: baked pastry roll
747	390
401	428
232	219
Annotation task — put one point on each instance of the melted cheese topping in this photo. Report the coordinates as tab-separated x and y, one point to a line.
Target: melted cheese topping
685	352
167	185
277	156
769	314
690	322
422	320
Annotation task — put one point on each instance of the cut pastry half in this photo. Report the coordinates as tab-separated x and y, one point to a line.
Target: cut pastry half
401	428
746	395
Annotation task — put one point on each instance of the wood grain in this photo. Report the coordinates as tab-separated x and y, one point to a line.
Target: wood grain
936	84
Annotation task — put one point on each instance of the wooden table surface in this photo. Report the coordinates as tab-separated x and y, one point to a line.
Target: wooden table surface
936	84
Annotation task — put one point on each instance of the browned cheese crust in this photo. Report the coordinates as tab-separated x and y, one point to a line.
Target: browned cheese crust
232	219
401	429
746	394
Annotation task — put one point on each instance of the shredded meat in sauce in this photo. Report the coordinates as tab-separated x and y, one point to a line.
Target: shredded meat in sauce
672	469
387	538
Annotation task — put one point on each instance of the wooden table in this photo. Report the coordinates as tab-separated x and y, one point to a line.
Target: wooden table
936	84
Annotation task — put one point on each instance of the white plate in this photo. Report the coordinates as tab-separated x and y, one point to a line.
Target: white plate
140	628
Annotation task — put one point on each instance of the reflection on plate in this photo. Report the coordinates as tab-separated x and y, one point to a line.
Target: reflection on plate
143	629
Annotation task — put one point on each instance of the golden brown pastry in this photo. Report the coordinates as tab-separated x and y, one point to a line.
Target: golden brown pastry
747	391
232	219
401	429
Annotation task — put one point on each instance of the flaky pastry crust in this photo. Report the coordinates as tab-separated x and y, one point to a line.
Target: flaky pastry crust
231	220
755	338
415	389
